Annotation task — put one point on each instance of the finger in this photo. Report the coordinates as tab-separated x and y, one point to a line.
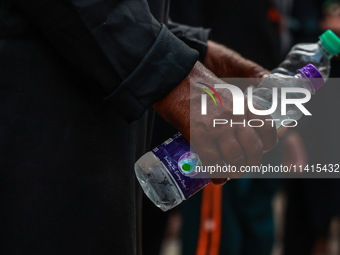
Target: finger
210	156
253	70
256	70
251	144
232	154
267	132
219	181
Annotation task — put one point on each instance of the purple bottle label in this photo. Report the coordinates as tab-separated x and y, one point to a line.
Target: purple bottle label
181	162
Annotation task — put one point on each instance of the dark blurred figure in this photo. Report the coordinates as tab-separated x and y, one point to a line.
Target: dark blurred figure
312	203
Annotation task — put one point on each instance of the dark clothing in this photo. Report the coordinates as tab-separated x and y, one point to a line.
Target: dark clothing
67	155
117	45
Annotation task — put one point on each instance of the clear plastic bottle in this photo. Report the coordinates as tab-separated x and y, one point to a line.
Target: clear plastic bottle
319	54
307	77
165	172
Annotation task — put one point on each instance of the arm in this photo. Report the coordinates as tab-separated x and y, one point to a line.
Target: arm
112	41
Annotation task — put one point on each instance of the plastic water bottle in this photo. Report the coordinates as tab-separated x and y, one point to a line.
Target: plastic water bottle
319	54
308	77
165	172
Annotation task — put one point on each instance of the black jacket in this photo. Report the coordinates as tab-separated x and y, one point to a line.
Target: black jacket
73	74
119	45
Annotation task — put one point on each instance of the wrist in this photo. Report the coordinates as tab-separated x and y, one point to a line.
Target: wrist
175	107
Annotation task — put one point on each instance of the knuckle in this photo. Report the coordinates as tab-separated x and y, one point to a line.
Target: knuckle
268	126
257	148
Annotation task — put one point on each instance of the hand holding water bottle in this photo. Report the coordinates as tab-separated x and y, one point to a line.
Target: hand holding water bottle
164	172
237	145
227	63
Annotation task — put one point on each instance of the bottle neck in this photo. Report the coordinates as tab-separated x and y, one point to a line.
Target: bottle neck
324	51
308	84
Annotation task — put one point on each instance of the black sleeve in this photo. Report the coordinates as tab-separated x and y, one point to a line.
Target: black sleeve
118	45
195	37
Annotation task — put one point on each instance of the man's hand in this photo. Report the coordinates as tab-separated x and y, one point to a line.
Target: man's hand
237	145
226	63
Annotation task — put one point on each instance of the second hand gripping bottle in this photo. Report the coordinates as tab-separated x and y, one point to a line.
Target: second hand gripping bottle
166	172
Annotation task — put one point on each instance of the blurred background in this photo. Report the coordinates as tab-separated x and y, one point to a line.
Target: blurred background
261	216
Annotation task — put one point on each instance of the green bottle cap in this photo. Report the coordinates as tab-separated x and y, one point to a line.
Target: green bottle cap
331	42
